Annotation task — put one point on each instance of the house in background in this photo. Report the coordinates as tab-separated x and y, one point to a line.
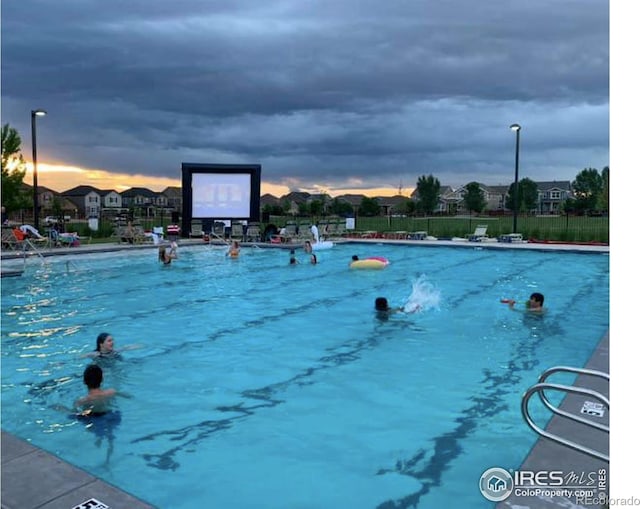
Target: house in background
145	201
173	195
110	199
496	196
391	205
551	196
47	201
86	200
448	200
269	199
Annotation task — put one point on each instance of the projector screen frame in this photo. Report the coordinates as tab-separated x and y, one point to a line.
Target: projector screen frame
190	169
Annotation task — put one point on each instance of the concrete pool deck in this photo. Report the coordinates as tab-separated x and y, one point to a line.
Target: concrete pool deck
63	486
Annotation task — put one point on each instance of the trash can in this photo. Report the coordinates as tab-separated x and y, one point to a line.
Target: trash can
93	224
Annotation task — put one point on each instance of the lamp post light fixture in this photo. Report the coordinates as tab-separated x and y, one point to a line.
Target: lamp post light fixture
34	114
516	128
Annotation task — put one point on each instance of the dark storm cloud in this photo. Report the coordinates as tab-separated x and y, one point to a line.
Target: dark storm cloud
318	92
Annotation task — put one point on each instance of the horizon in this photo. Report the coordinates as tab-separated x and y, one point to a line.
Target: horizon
62	178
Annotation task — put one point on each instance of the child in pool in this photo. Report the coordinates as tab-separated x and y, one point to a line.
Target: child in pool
533	305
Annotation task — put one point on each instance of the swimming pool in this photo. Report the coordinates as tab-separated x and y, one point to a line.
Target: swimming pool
267	385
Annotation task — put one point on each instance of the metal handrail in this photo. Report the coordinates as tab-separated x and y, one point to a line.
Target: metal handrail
542	386
213	235
582	371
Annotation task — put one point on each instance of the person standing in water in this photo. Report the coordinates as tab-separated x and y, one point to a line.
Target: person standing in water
167	256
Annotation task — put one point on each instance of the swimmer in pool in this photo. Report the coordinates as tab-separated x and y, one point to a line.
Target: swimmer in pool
307	246
97	400
383	310
533	305
314	259
234	249
105	347
166	256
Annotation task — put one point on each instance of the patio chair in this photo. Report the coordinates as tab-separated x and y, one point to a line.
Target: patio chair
18	240
253	232
479	234
196	229
217	231
237	231
9	240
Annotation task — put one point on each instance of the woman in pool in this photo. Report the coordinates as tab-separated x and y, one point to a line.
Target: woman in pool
234	250
307	246
166	256
105	347
314	259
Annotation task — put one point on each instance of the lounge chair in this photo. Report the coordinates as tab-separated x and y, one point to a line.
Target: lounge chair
253	232
237	231
196	229
479	234
16	239
68	239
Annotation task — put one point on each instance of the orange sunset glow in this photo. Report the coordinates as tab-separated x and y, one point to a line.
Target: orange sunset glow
60	178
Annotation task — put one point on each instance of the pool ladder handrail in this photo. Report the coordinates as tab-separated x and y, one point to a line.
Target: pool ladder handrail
213	235
542	385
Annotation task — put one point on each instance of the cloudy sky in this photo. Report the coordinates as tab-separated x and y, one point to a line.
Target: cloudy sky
326	95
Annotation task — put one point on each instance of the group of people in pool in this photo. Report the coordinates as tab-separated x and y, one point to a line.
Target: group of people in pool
533	305
308	249
97	400
166	256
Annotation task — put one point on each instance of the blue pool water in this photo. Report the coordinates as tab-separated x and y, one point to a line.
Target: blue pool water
261	384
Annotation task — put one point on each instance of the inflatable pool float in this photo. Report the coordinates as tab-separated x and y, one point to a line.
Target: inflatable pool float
373	262
325	244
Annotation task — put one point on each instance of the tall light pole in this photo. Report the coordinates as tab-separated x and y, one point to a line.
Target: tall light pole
34	114
516	128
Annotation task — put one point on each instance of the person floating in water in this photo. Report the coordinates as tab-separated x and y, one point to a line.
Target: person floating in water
105	347
166	256
533	305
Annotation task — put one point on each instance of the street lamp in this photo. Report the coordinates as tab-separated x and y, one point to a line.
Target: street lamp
34	114
516	128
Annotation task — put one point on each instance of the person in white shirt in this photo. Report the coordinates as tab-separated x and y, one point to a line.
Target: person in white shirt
315	233
30	230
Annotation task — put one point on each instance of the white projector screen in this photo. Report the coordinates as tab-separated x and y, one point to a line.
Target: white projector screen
221	195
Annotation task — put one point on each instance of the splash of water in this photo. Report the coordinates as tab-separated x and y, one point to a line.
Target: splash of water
424	296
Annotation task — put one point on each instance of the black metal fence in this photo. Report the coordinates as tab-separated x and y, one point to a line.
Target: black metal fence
562	228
